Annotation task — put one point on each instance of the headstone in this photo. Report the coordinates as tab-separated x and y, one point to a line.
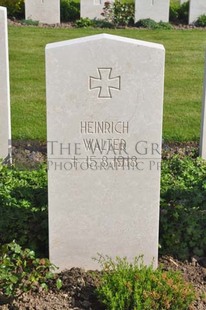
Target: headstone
203	122
158	10
104	113
5	125
183	1
92	8
197	8
44	11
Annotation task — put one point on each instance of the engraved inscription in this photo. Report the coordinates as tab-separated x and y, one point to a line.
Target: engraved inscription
105	83
104	127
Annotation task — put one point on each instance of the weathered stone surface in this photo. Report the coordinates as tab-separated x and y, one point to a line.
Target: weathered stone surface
157	10
197	8
104	113
44	11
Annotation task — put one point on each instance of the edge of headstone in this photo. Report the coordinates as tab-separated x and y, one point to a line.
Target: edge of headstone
203	115
104	36
8	159
3	8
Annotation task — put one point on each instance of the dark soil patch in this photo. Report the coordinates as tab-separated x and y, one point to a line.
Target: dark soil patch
28	154
78	291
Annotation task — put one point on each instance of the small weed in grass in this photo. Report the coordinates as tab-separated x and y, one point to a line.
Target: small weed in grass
134	286
96	23
84	23
151	24
30	22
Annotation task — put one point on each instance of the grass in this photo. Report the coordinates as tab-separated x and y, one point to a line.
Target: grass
183	77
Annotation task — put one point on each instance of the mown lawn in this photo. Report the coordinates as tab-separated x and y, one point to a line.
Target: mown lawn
183	77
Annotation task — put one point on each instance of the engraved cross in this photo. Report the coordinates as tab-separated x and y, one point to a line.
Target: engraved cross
104	83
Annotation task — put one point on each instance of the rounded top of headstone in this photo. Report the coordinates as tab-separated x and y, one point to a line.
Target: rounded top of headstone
105	36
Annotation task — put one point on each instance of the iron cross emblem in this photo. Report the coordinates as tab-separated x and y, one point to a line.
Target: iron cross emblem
105	83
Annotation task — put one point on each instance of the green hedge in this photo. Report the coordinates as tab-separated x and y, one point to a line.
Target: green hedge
179	13
70	10
183	207
15	8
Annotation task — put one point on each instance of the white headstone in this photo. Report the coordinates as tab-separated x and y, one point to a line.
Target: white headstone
92	8
104	114
158	10
203	122
197	8
5	123
44	11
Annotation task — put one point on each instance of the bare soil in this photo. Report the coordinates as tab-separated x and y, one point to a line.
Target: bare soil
78	291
